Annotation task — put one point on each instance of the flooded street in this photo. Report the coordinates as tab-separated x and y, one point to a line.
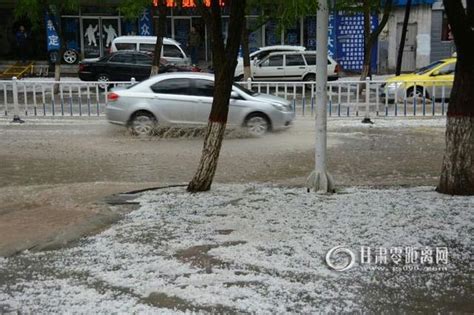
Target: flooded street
43	152
56	173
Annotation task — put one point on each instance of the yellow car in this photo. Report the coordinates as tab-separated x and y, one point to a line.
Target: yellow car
433	81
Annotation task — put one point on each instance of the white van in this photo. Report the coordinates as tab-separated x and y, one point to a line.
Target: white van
259	55
171	51
291	66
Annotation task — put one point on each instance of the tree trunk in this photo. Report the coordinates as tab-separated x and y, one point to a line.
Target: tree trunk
457	175
246	52
160	33
401	47
370	38
224	60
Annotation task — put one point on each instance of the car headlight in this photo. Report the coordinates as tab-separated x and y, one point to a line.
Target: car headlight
394	85
280	107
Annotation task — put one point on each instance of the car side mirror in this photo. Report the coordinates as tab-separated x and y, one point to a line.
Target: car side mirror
435	73
234	94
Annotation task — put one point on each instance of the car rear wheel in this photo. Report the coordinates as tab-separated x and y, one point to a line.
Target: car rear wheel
308	79
143	124
103	79
257	125
418	93
70	56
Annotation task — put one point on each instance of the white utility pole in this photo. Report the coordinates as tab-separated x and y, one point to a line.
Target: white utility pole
319	179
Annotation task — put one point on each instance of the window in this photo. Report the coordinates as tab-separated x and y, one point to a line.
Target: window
309	32
261	55
142	59
172	86
447	69
272	36
311	59
147	47
293	34
171	51
446	34
255	37
125	46
204	88
429	67
122	58
273	61
294	60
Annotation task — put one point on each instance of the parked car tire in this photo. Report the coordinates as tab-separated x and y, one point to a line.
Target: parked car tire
418	93
70	56
240	78
142	123
257	124
310	77
103	79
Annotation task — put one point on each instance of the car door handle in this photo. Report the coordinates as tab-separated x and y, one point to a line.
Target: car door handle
302	67
279	68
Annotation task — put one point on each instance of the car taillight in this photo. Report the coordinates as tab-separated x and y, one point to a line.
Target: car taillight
337	68
112	97
82	67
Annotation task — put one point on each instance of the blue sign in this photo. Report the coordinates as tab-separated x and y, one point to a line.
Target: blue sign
310	26
350	41
332	36
145	25
413	2
52	38
311	34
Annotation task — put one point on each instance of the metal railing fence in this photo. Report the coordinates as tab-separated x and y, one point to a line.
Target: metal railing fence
345	98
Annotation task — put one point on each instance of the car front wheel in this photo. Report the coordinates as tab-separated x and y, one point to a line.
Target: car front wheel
257	125
143	124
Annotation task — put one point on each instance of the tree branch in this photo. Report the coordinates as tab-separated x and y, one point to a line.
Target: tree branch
461	28
386	14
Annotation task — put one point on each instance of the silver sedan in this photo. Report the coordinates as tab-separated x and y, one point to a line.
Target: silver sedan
185	99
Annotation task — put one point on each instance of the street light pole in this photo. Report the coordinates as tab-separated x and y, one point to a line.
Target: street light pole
320	180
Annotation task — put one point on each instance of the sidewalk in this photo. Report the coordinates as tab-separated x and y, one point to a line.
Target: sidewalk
256	249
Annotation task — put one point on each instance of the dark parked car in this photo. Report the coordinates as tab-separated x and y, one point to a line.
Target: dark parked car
123	65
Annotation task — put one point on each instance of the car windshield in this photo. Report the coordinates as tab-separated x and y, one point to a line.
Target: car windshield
246	91
428	67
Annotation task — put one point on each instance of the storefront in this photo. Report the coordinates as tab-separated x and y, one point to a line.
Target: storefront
89	31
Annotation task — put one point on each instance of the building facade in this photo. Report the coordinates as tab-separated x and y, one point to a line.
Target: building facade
90	29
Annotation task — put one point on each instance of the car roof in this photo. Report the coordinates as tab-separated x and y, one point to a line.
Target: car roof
306	52
143	39
450	59
282	47
183	75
